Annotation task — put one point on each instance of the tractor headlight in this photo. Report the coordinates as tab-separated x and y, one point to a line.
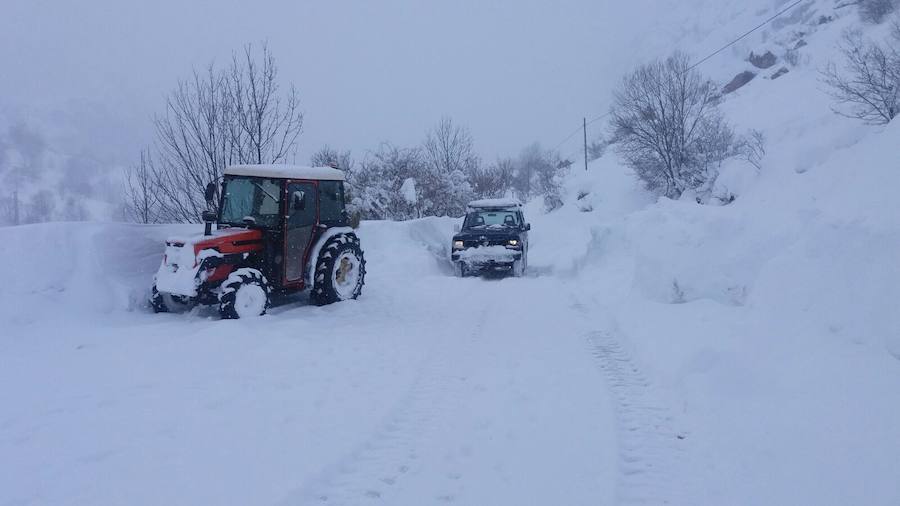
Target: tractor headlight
458	245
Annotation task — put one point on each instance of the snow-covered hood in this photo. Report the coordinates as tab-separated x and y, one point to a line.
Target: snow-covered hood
180	271
223	237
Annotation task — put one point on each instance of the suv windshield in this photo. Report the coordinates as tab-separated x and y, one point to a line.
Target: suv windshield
492	219
251	201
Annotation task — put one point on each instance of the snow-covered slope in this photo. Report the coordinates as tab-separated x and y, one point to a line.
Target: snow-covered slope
46	176
774	323
773	320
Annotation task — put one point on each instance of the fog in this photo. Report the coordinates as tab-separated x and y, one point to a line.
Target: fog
514	72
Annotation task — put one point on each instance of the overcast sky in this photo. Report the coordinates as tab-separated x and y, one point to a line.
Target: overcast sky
514	71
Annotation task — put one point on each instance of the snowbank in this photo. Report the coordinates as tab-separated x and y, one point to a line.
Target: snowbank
773	320
63	271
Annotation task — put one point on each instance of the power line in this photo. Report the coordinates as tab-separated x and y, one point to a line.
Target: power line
695	65
577	130
735	41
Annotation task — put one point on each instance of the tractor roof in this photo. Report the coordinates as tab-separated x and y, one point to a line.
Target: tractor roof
286	172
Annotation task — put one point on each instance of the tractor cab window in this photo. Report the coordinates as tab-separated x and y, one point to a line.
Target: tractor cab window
251	201
331	201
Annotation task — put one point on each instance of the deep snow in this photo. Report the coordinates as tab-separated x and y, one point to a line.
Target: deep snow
477	399
659	351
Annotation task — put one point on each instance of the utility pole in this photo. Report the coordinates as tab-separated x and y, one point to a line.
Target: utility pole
585	145
15	204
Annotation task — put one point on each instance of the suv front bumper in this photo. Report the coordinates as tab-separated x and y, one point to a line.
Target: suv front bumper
487	256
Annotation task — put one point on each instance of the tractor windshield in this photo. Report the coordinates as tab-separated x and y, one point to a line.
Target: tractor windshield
251	201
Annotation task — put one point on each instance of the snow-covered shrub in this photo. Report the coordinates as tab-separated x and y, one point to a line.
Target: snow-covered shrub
539	173
597	148
330	157
375	186
494	180
868	80
669	129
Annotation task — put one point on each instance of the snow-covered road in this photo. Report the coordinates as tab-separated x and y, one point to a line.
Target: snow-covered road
428	390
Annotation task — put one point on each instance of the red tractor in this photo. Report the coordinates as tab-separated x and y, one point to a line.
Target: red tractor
279	228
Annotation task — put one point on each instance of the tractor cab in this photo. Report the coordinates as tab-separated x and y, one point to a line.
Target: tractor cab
278	228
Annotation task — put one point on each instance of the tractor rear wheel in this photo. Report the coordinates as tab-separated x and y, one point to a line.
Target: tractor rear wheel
340	271
245	294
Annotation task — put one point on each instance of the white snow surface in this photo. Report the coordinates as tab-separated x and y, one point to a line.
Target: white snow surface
501	202
408	190
286	171
659	352
484	253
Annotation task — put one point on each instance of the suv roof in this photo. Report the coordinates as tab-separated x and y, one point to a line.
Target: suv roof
286	172
495	204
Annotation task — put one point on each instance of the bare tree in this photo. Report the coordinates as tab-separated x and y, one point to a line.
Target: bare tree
142	199
450	147
194	142
450	158
215	119
668	127
752	148
868	82
23	166
329	157
41	207
269	124
493	180
875	11
539	172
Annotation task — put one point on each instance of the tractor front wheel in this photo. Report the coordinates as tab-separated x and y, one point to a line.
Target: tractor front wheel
340	271
157	302
245	294
168	303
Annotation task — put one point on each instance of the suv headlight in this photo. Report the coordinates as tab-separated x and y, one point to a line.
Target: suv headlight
458	245
513	242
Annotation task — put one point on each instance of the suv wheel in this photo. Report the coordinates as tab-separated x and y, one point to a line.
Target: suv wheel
340	271
245	294
519	266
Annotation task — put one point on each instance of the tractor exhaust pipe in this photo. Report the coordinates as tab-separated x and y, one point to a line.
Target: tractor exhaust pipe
208	216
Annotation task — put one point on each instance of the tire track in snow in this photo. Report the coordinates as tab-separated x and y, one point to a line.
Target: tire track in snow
650	452
390	457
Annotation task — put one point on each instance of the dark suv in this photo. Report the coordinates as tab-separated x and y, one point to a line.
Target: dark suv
493	237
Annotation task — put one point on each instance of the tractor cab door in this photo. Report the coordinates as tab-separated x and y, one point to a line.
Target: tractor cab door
301	220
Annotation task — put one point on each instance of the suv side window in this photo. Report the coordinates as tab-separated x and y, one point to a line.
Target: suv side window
331	201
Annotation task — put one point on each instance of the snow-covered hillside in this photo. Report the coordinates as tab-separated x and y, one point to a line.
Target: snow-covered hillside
660	352
48	174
